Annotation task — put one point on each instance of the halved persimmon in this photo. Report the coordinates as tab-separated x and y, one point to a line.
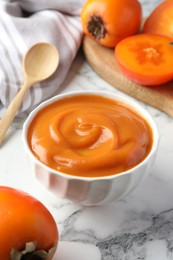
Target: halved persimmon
146	58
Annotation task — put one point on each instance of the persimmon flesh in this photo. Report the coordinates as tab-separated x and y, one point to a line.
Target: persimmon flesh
146	58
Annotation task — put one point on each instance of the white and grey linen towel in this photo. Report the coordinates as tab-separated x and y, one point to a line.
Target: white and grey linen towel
26	22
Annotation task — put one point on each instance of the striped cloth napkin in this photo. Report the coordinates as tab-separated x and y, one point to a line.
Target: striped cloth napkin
26	22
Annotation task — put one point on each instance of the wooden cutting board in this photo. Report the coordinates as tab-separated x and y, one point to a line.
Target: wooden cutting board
102	60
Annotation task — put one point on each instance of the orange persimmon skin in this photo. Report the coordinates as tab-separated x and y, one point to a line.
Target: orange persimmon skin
146	59
120	19
160	21
24	219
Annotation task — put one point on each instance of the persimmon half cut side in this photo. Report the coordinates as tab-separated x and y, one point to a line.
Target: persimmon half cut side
146	58
109	21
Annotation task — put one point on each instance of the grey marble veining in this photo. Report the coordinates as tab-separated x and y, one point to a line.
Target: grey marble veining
129	244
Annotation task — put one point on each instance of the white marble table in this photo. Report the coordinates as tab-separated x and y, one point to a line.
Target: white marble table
138	227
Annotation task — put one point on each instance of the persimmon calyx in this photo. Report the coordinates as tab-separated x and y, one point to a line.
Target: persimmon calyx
96	27
30	253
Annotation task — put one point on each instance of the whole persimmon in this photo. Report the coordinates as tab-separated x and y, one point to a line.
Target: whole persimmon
27	228
109	21
160	20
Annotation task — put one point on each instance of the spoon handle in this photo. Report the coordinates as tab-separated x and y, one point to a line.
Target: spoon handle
12	109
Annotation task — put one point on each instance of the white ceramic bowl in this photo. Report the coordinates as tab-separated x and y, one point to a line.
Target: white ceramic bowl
95	190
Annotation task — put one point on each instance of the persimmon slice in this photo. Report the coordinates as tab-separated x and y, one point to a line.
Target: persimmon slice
146	58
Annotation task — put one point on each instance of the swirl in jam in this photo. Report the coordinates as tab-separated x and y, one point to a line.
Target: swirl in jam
89	135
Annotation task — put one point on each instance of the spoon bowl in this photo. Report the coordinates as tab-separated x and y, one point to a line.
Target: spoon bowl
39	63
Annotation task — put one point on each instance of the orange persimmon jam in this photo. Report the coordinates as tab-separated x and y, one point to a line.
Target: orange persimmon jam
89	135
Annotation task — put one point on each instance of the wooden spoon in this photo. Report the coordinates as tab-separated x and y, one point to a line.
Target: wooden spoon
39	63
